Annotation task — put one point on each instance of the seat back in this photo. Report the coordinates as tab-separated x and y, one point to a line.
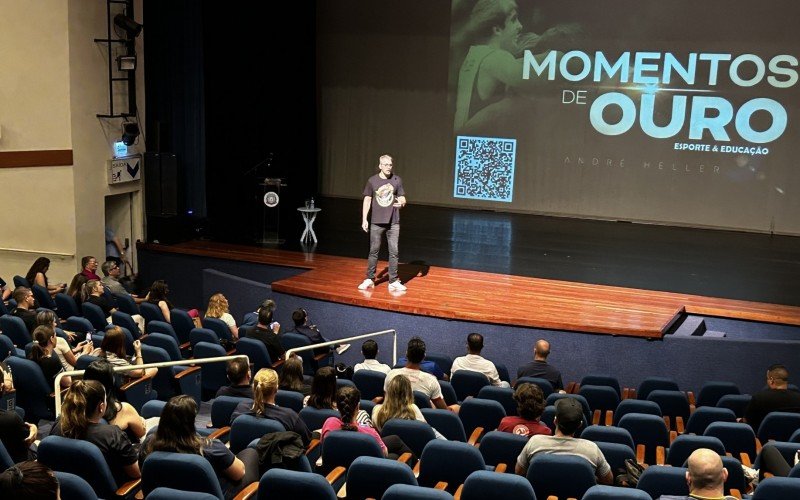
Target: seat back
314	417
197	335
565	476
15	329
43	297
162	327
284	484
443	361
181	471
502	448
603	492
370	477
33	391
256	351
706	415
616	454
635	406
413	433
5	459
712	391
778	426
658	480
126	304
409	492
685	444
484	413
369	383
544	385
292	340
422	400
173	494
289	399
605	434
95	315
213	375
672	403
503	395
446	422
125	320
603	380
166	342
647	430
7	347
249	427
341	448
20	281
79	324
448	392
448	461
737	437
72	487
66	306
163	382
736	479
600	397
651	384
486	485
737	403
81	458
182	323
151	312
219	327
468	383
777	487
222	408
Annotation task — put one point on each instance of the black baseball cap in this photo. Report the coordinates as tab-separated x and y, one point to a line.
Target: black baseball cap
569	412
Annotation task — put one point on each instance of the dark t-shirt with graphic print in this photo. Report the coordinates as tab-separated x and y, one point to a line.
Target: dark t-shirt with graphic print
384	193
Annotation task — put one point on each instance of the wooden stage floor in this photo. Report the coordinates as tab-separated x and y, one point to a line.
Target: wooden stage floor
490	298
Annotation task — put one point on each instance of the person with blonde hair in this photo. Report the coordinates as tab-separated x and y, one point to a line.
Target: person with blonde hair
81	418
218	308
398	403
265	387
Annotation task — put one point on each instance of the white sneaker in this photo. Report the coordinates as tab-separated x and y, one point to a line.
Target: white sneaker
342	348
396	286
367	283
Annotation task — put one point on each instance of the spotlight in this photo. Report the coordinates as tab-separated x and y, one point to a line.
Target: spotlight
126	63
131	27
130	131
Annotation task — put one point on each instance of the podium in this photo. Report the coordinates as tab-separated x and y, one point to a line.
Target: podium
269	190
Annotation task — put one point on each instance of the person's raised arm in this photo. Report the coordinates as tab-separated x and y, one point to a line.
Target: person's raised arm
365	212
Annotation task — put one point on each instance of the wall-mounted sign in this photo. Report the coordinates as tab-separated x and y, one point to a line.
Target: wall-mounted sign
123	170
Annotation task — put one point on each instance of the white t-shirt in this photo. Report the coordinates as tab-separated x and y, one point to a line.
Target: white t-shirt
476	363
372	364
228	319
420	381
61	349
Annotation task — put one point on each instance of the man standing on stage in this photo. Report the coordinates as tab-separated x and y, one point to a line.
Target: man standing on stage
385	195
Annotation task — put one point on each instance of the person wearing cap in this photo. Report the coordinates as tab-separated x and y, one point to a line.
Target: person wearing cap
568	419
706	477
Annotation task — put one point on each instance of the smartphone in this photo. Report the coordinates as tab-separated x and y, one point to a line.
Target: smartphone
88	337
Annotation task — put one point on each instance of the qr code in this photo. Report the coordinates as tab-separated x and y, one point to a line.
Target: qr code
485	168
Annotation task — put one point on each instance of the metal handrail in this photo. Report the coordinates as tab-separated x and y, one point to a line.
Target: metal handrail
184	362
294	350
38	252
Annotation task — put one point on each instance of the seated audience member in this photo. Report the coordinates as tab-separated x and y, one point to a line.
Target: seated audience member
292	378
26	309
89	268
475	362
569	417
111	273
30	480
398	403
267	335
540	368
176	433
530	405
76	288
113	350
123	415
420	380
93	292
81	418
42	353
158	296
218	308
348	402
776	397
67	355
37	275
238	371
706	477
427	366
323	394
303	326
265	387
251	318
5	291
370	351
15	434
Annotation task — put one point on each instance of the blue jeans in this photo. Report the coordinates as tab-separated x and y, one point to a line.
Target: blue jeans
375	239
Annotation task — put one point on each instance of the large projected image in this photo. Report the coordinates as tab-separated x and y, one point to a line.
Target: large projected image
700	96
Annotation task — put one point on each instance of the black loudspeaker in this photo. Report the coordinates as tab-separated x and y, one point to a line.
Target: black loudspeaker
161	184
